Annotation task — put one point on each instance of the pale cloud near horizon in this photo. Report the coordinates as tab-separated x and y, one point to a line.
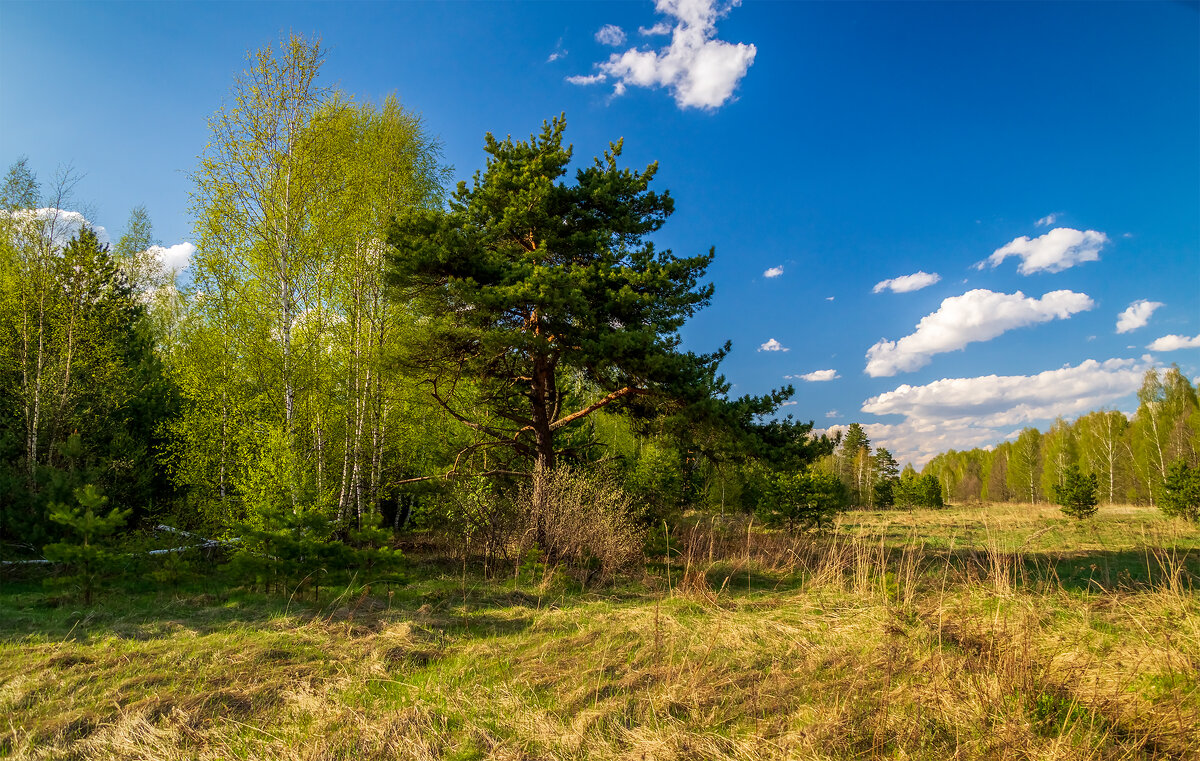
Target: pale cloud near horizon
63	225
611	35
977	315
699	70
962	413
772	345
1174	343
1047	220
816	376
1055	251
1136	315
774	271
907	283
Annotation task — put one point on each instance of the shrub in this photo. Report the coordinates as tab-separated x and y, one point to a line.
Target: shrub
803	500
918	491
1181	491
480	518
1077	493
587	522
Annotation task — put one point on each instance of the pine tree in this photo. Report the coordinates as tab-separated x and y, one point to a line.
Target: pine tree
1077	493
87	561
1181	491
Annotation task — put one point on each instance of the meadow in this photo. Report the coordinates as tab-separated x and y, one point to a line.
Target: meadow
973	632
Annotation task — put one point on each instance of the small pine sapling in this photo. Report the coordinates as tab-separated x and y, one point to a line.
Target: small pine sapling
1077	493
371	552
1181	491
87	561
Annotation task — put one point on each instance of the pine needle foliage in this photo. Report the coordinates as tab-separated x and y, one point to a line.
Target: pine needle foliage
1077	494
85	559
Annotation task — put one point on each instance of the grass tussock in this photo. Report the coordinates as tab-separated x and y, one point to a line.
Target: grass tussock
953	634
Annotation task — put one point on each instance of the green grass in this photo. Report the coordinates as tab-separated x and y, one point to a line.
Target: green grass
1006	632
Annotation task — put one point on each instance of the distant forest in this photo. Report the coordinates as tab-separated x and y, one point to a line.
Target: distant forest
1132	458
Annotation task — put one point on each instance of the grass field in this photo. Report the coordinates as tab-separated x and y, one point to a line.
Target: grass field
1004	632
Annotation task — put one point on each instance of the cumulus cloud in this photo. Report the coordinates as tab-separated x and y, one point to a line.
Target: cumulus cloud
774	272
906	283
978	315
174	258
611	34
699	70
1057	250
962	413
1136	315
773	345
1174	342
1047	220
815	376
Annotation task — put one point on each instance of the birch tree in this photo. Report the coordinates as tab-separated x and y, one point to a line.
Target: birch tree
285	343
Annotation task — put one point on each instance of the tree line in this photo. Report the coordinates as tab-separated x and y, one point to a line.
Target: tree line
1150	458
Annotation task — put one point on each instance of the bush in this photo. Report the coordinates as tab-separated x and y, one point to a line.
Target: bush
803	500
480	518
587	522
1077	493
919	491
1181	491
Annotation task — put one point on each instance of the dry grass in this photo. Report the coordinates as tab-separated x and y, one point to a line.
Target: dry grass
955	634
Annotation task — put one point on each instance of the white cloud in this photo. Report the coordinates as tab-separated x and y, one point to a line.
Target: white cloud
788	404
978	315
580	79
815	376
1057	250
559	52
611	34
773	345
1136	315
174	258
658	30
829	298
906	283
774	272
1174	342
699	70
1047	220
962	413
832	414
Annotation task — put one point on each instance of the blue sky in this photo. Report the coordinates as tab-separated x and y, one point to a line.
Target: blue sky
846	143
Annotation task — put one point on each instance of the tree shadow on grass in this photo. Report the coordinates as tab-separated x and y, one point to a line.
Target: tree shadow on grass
134	609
